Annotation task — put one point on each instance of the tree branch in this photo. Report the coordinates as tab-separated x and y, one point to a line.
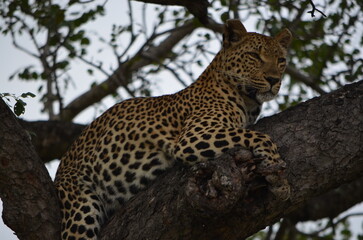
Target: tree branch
331	204
124	72
51	139
312	11
298	76
321	143
29	199
320	140
199	8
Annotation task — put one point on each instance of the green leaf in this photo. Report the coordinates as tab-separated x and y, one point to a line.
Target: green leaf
25	74
225	16
85	41
19	107
34	75
94	84
28	94
62	64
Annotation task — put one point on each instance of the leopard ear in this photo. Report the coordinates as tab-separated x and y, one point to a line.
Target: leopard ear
284	38
233	32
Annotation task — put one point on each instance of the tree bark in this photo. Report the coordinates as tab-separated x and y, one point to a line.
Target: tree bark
321	141
330	204
51	139
30	205
199	8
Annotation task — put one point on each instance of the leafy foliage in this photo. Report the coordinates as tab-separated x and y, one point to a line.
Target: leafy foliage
53	28
326	52
19	106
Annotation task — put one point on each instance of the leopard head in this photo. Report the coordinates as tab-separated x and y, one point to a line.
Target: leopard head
254	63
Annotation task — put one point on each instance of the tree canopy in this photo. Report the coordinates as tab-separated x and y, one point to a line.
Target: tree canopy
325	55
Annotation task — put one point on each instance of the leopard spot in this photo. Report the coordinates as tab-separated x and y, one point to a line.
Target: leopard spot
202	145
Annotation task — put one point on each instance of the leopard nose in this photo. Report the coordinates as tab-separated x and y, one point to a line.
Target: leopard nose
272	80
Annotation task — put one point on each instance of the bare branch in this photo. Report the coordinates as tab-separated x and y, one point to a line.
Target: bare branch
298	76
176	75
312	11
15	43
233	6
124	71
283	228
121	82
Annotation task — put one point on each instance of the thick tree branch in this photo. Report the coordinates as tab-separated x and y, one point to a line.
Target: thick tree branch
51	139
199	8
321	143
320	140
29	199
331	204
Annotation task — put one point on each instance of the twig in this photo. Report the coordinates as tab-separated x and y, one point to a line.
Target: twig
308	80
312	11
269	233
233	7
15	43
131	16
284	226
176	75
331	223
123	84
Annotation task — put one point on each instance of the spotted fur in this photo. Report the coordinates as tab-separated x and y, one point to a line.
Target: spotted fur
133	142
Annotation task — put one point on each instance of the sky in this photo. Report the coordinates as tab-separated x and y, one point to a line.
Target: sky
14	59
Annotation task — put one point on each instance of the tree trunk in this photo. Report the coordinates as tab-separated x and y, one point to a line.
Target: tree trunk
30	205
321	141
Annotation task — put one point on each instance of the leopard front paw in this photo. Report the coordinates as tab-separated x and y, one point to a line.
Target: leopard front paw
279	186
274	173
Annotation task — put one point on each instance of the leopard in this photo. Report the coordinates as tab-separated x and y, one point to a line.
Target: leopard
132	143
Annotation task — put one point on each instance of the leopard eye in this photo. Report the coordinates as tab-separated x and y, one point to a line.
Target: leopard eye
254	55
281	60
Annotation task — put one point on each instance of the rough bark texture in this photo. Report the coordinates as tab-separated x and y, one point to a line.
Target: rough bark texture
29	200
51	139
321	141
330	204
199	8
322	135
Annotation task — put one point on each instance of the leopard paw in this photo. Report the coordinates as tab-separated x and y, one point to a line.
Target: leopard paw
273	171
279	187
